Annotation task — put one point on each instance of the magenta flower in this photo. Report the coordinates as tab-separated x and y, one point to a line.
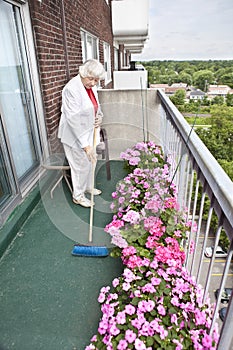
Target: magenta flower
207	341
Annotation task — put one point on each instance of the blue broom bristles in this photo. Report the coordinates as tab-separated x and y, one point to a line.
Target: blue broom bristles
86	250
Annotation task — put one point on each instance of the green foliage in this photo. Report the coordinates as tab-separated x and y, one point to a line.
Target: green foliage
229	100
219	138
218	100
199	120
202	78
178	98
168	72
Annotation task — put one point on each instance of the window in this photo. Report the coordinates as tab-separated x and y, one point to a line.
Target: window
107	62
89	46
116	55
20	137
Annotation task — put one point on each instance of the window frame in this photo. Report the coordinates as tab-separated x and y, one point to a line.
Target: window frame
107	62
85	36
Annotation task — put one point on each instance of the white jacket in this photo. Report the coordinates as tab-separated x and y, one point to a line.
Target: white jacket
77	119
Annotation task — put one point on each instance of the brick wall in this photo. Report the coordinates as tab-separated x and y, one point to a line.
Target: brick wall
56	26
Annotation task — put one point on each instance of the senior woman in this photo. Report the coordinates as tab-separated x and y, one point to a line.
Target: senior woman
80	114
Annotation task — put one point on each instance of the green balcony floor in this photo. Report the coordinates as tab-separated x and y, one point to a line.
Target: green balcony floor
48	298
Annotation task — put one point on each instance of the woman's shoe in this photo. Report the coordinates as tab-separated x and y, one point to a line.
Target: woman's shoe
83	201
96	192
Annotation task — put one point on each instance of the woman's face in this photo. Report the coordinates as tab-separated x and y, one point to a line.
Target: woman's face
89	82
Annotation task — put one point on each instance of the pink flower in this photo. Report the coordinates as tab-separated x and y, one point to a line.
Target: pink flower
130	336
179	345
103	326
155	281
175	301
132	217
126	286
115	282
101	298
207	341
130	250
148	288
161	310
129	309
122	345
114	330
139	345
163	333
174	319
136	323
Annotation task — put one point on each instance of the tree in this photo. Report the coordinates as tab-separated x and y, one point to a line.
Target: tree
185	78
218	100
178	98
227	79
202	78
219	138
229	100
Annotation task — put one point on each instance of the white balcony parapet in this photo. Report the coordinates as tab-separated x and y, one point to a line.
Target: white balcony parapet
131	79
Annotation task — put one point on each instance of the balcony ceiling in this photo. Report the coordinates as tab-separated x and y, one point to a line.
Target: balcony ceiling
130	23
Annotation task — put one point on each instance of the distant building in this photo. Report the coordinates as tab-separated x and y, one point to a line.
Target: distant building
196	95
159	86
218	90
180	85
170	89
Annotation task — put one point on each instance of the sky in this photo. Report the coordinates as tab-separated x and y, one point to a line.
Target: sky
189	30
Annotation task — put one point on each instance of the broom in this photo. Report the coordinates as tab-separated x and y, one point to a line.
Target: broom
90	250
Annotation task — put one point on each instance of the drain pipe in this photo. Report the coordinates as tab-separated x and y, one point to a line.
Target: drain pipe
63	22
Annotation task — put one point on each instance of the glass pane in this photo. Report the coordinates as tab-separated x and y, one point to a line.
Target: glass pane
89	47
5	191
15	93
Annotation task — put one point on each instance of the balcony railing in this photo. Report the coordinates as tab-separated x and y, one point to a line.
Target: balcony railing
204	189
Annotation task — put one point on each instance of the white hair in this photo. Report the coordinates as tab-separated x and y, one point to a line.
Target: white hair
92	68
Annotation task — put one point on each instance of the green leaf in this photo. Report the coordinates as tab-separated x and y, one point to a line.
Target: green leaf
149	341
135	301
172	310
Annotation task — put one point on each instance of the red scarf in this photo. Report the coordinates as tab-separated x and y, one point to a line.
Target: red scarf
92	98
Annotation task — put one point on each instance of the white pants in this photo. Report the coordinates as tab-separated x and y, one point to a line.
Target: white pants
81	170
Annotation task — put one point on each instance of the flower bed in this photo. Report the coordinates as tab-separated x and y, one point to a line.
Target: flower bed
155	304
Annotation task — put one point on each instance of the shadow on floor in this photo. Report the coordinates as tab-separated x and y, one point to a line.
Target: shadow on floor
48	298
